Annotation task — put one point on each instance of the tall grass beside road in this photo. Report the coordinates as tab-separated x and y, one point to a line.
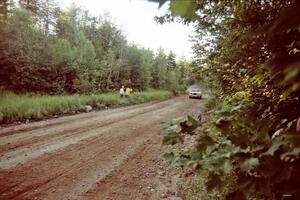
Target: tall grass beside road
15	107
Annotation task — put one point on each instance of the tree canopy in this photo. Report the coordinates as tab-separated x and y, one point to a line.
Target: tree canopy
45	49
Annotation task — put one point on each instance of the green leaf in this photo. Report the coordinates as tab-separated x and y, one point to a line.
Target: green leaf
276	144
185	9
188	125
249	164
294	153
172	138
280	141
203	142
227	166
192	163
169	157
180	162
273	148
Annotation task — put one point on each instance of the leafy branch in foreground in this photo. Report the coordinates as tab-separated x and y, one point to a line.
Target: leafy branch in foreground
267	169
248	53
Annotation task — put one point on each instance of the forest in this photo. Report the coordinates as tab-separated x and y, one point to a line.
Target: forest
47	50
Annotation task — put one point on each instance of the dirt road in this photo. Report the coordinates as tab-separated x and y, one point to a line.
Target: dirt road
109	154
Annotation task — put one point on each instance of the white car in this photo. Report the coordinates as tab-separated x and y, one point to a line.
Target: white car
195	93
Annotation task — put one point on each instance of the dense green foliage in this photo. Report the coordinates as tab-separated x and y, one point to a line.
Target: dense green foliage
248	52
32	107
48	50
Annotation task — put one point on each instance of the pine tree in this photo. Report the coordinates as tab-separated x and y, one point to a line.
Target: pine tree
171	65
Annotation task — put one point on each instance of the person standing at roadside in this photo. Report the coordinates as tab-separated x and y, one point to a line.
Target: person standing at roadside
122	92
128	91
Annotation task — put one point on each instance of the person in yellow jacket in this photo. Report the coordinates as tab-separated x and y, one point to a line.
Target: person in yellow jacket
128	91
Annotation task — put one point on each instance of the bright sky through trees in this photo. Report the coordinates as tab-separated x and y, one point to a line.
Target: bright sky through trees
135	17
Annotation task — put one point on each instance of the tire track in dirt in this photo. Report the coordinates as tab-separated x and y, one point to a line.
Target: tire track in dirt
107	142
31	133
52	140
134	181
139	176
12	130
74	170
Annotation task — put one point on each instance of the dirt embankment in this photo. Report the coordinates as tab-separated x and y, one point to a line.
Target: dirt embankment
111	154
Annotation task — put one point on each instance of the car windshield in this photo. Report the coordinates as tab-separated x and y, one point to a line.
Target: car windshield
195	90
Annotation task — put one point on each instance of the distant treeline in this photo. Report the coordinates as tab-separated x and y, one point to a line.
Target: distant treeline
45	49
